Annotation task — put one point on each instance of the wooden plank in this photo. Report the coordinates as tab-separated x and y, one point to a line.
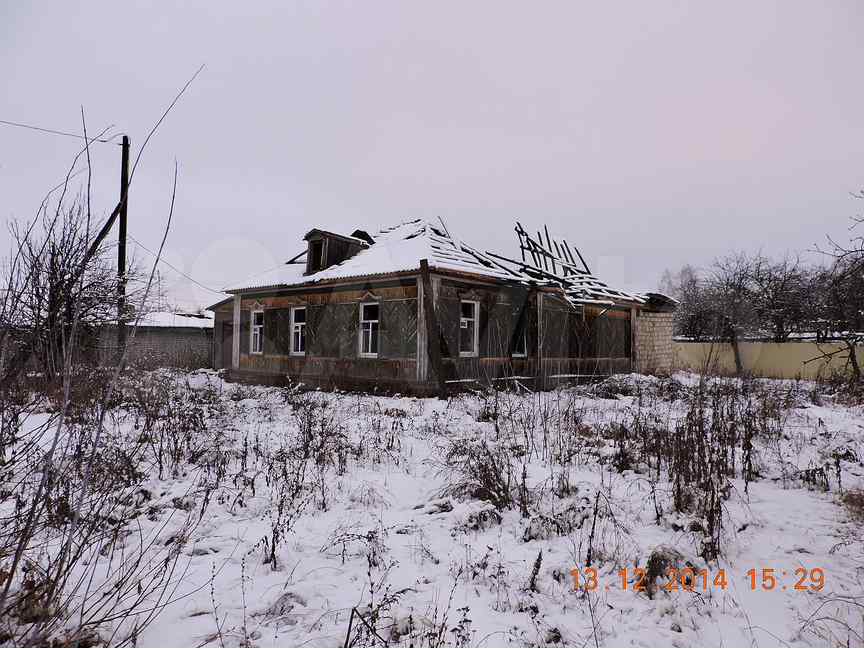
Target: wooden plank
540	367
235	338
549	248
433	336
422	341
320	298
584	265
540	251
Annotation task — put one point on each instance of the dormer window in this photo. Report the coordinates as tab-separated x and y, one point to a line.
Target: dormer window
328	249
317	260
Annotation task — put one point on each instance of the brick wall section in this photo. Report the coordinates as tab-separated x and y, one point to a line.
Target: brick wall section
654	342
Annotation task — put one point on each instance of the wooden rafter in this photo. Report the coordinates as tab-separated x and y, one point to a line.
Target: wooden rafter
546	259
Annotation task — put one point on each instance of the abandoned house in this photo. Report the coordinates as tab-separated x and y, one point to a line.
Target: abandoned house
414	309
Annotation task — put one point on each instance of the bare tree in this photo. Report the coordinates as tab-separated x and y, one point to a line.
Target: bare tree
70	566
781	295
696	315
740	295
59	274
731	280
66	482
842	304
841	295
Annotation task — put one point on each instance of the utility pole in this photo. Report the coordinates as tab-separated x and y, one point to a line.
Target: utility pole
121	249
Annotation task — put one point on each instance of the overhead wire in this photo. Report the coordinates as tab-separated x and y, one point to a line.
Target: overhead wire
54	131
175	268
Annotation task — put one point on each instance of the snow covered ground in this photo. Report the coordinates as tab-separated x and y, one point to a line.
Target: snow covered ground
458	522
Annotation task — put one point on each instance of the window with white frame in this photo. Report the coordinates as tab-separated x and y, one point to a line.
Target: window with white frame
298	330
257	343
369	321
468	333
520	345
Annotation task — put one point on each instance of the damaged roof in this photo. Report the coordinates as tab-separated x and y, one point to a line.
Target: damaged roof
400	248
395	249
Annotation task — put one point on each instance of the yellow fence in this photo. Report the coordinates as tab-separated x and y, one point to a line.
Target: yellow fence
766	359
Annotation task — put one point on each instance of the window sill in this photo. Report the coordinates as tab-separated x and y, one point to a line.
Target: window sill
468	354
369	356
519	355
298	354
256	353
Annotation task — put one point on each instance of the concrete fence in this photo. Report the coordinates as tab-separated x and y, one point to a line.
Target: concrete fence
765	359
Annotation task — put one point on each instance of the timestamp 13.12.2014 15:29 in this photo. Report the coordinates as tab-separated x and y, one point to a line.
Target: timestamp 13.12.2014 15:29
635	579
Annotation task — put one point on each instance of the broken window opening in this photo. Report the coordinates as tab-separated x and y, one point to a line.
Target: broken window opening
468	332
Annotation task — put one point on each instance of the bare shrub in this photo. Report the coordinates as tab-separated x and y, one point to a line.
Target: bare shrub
101	572
854	502
482	472
286	478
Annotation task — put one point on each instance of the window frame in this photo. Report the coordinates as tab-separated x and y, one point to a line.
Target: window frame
252	330
292	351
475	352
317	264
523	337
360	351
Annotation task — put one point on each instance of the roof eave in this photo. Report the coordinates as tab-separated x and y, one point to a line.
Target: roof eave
383	276
347	239
213	307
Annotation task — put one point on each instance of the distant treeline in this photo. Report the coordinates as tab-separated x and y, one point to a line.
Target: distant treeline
752	297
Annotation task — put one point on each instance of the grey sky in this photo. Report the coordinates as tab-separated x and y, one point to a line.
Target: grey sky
650	134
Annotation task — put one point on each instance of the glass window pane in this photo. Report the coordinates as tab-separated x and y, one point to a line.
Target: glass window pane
259	318
373	334
466	338
521	346
468	310
370	311
299	315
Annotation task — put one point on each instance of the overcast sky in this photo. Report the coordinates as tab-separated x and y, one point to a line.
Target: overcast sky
651	134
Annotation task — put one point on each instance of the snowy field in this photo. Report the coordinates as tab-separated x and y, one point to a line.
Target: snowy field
459	522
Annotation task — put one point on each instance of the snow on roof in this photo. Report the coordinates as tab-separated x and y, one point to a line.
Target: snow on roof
396	249
286	274
401	247
162	319
344	237
588	289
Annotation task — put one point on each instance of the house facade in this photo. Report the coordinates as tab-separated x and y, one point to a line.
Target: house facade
415	310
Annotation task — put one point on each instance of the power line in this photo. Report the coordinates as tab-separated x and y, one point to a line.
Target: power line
176	269
53	131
